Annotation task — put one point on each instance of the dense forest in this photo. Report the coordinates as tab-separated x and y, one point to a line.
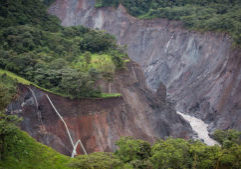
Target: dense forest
202	15
68	61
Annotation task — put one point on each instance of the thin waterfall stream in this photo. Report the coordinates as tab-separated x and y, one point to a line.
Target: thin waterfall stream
200	127
68	132
37	105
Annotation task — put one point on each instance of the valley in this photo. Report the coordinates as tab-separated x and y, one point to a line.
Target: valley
120	84
201	71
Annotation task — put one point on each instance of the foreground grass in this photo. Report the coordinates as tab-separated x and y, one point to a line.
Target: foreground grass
27	153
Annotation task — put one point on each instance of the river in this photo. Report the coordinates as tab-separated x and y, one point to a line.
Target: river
200	127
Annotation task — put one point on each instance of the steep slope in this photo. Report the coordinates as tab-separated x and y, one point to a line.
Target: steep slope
26	153
100	122
200	70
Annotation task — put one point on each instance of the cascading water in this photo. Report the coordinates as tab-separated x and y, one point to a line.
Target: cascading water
75	147
200	128
37	106
68	132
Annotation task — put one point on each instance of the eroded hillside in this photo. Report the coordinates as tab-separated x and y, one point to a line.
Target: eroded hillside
200	70
100	122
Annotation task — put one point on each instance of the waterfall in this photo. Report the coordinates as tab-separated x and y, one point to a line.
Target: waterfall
35	99
37	105
200	127
68	132
75	147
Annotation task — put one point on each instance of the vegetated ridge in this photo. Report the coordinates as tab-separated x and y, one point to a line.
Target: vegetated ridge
68	61
212	15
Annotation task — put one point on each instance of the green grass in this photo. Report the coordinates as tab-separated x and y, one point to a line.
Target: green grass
101	62
27	153
27	82
14	76
110	95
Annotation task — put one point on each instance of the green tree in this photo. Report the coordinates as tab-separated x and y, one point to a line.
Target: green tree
98	160
227	138
35	46
171	153
134	152
8	129
7	122
96	41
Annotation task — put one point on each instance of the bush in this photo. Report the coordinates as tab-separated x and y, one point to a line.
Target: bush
131	149
98	160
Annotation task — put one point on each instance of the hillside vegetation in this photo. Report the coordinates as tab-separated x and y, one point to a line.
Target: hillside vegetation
19	151
35	49
68	61
202	15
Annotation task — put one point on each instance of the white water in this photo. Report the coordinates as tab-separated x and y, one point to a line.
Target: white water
75	147
68	132
35	99
200	128
37	105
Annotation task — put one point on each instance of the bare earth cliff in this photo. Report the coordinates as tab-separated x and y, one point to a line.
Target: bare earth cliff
99	123
201	71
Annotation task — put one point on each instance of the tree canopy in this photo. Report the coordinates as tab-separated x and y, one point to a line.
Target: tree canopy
65	60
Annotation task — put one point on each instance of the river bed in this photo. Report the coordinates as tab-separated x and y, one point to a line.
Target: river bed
200	127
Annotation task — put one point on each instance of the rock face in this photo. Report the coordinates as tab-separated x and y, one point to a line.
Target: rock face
201	71
100	122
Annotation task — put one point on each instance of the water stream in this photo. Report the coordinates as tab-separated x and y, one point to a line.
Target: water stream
37	106
200	127
68	132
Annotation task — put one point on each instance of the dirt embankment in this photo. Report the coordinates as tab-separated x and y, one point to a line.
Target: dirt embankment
100	122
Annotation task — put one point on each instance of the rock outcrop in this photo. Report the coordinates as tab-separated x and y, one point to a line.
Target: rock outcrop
201	71
100	122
